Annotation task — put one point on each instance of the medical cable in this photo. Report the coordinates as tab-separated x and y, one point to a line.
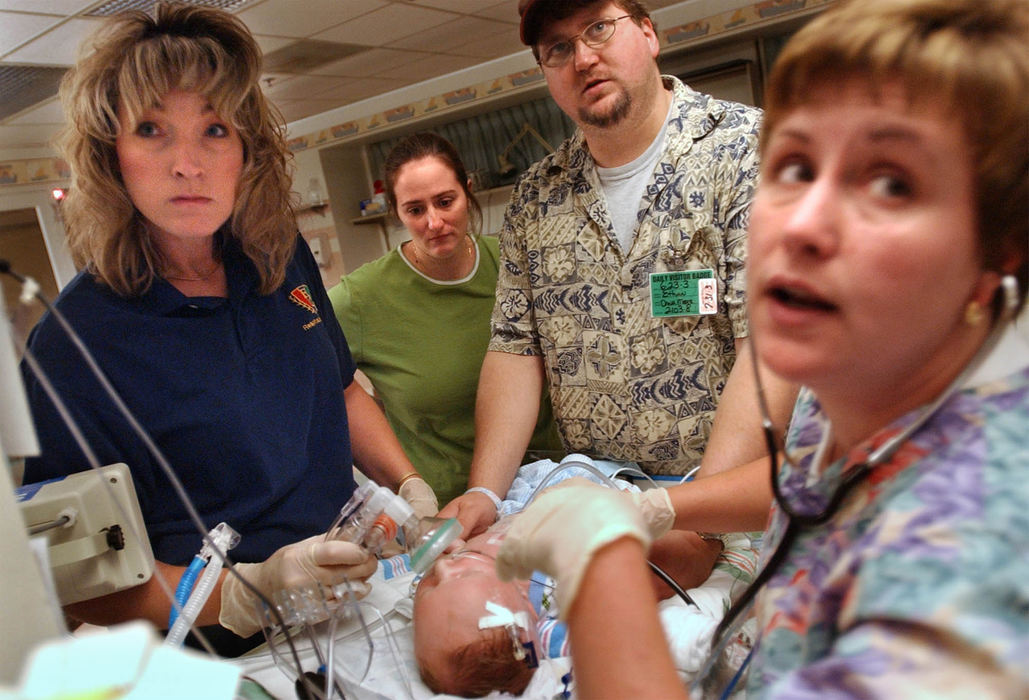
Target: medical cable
31	290
881	455
607	481
65	519
94	463
565	466
394	647
330	681
306	606
159	457
226	538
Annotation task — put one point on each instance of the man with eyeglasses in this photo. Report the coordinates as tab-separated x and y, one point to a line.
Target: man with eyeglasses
622	280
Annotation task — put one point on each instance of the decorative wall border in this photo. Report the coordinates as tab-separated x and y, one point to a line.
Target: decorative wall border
33	171
36	170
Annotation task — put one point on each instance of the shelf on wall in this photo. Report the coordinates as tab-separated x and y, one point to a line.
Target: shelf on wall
369	219
313	208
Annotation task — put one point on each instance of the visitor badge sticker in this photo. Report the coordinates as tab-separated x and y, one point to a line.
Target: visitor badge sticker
684	293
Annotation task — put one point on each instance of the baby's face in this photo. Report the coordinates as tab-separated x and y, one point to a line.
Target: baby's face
451	600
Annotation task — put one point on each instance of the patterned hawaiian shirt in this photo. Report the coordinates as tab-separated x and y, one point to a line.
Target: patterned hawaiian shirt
624	384
919	585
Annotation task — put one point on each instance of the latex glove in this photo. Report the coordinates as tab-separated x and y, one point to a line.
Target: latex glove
475	511
560	530
313	559
420	496
657	510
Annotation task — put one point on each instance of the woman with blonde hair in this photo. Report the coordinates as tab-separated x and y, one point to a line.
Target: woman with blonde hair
206	311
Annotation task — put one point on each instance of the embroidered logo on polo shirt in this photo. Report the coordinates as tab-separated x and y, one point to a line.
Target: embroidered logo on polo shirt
301	296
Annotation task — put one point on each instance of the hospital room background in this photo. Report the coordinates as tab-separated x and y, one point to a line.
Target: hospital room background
352	78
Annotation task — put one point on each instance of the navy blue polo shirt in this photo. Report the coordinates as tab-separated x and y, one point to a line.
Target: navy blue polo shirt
244	396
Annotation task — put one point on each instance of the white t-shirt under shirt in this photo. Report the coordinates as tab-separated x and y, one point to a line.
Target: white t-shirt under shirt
623	187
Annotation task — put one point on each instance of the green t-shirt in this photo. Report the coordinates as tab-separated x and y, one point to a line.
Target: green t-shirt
421	342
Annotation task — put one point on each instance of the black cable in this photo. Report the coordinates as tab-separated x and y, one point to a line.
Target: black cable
5	268
94	464
49	525
674	586
743	602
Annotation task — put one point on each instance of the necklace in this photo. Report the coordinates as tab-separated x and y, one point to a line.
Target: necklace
451	271
198	278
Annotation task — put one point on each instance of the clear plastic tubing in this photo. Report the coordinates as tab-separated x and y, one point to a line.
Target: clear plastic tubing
357	499
354	528
397	515
224	539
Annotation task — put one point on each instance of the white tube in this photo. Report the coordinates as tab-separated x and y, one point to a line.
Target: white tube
196	601
219	540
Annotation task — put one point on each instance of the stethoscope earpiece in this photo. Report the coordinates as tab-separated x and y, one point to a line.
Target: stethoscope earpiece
1009	283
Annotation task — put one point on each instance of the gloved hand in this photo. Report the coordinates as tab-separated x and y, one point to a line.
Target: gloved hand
560	530
419	496
656	507
313	559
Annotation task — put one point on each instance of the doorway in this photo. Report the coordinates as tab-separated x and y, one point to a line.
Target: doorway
22	245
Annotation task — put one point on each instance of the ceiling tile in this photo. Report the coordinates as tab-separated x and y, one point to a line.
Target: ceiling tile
301	18
410	40
301	86
506	11
272	43
465	6
16	28
371	62
46	113
363	88
59	47
306	54
431	67
389	24
55	7
488	47
445	37
293	110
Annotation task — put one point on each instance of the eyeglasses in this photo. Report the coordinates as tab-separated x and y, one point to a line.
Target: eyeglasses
596	34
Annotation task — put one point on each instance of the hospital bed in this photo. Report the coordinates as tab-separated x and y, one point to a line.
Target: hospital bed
373	643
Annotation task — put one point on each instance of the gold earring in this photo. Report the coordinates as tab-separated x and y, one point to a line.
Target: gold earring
974	313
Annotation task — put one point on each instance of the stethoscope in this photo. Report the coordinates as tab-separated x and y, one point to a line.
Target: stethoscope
796	520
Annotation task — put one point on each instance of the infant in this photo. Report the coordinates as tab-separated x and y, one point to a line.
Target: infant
474	633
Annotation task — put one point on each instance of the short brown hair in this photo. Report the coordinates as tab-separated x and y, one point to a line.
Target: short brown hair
483	666
969	56
136	59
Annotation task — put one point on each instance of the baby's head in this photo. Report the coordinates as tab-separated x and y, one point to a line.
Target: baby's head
469	626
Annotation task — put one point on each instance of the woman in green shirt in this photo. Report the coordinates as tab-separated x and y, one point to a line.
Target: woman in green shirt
417	319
